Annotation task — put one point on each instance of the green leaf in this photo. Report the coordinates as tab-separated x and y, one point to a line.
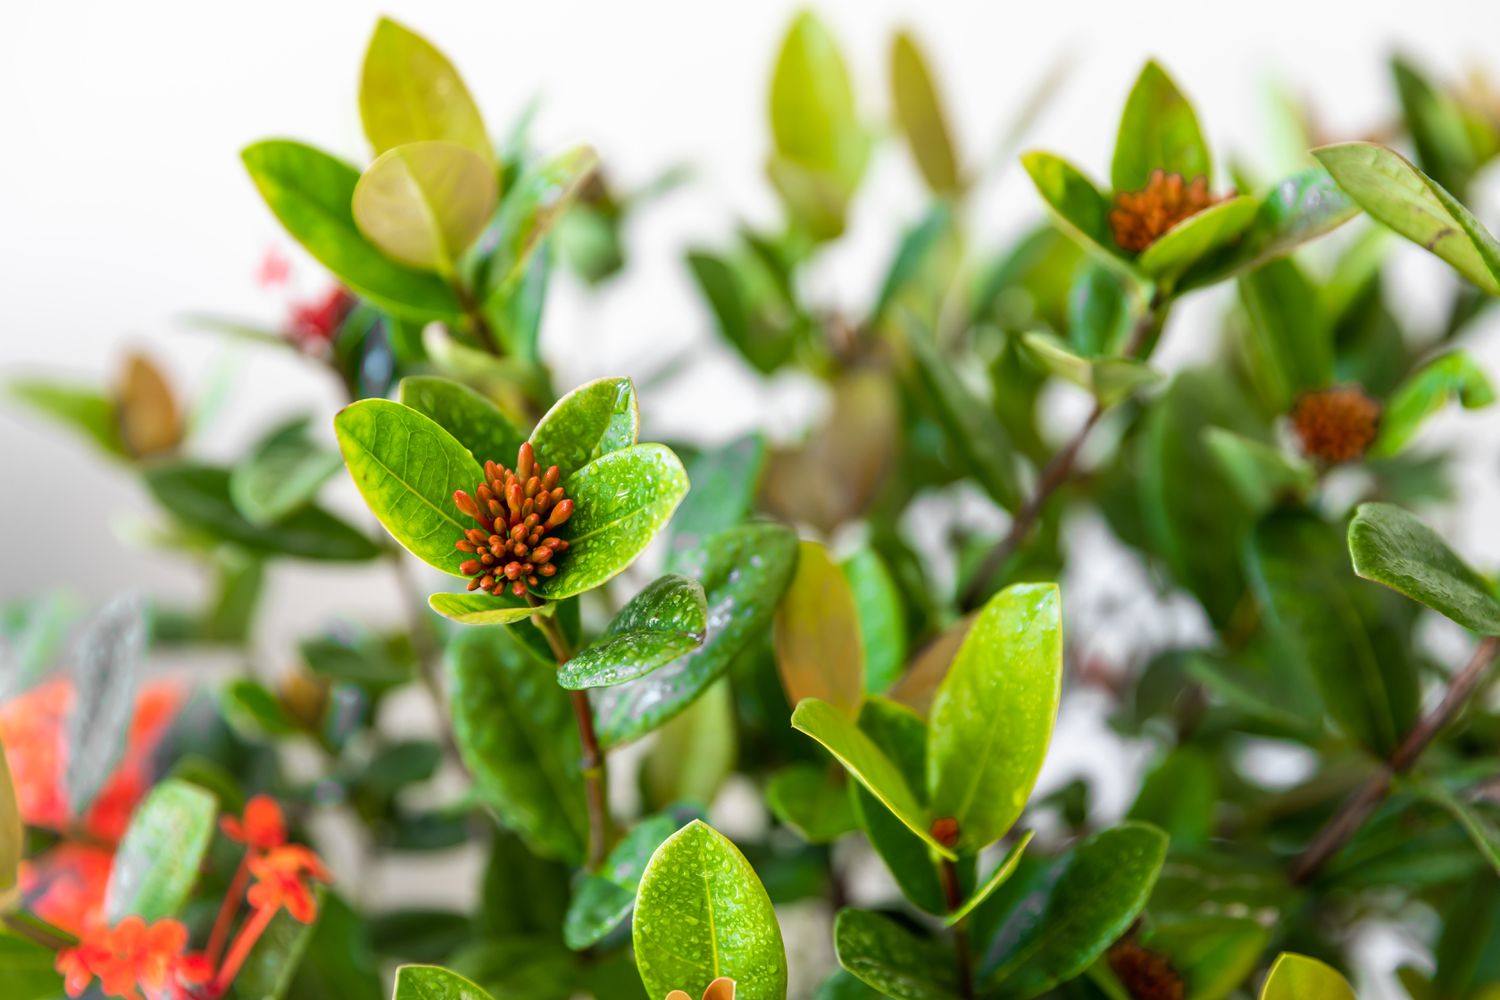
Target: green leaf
600	903
1403	198
1080	208
105	674
410	92
1262	475
407	468
12	839
1008	668
744	571
812	800
199	496
902	735
157	862
813	119
312	194
530	211
919	113
594	419
282	474
1158	131
1110	380
885	955
86	410
725	481
425	203
272	964
1437	127
760	331
1003	871
1178	795
661	623
1297	977
882	618
911	274
1340	630
867	763
701	913
1104	884
621	500
515	728
1453	375
483	609
1196	237
428	982
28	971
694	752
1289	342
252	709
474	421
818	651
1393	547
1480	827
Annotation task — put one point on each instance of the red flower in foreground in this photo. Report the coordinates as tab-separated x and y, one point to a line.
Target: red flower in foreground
131	956
281	878
263	827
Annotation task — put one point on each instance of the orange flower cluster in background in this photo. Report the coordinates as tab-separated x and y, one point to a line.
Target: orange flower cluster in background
133	956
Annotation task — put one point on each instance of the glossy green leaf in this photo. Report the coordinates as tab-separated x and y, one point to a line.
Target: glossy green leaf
601	902
747	312
1213	954
282	474
882	618
1393	547
1297	977
429	982
702	913
919	112
424	203
725	481
407	468
1100	311
1178	796
885	955
1080	208
621	500
515	728
1288	343
85	409
1197	236
818	652
1261	474
1455	375
1397	194
843	985
594	419
1003	871
531	210
744	571
1158	131
1110	380
1009	667
105	671
901	734
410	92
812	800
475	422
813	118
12	838
312	194
272	964
27	969
661	623
867	763
157	862
1104	884
478	608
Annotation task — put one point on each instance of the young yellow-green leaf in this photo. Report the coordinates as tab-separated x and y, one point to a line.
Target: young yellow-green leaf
813	118
410	92
429	982
818	652
919	112
1288	344
311	193
1196	237
811	799
1297	977
12	838
474	421
701	913
479	608
1397	194
28	970
882	618
515	728
892	959
661	623
1078	206
594	419
424	203
1453	375
1004	870
1158	131
282	474
992	717
621	500
1110	380
863	759
407	468
1393	547
157	863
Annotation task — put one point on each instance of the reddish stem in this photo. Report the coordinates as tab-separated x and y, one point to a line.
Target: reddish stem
227	909
250	932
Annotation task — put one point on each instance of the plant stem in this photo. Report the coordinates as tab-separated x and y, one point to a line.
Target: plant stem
220	934
34	929
594	774
481	327
1353	813
955	899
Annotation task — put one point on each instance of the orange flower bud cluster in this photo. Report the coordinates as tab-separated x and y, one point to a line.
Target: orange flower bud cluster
1140	218
1336	425
516	510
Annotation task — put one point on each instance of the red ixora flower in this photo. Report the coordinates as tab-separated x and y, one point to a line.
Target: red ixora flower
314	323
132	956
262	828
281	878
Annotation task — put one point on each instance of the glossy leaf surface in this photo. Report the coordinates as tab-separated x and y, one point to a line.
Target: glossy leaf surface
592	420
157	863
661	623
410	92
1393	547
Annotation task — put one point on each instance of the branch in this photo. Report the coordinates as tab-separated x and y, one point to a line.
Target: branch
954	898
1353	813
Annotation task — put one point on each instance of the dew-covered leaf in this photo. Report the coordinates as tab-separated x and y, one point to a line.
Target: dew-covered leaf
661	623
156	865
475	422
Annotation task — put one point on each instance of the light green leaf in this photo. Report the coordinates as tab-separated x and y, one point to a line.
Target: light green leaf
282	474
1009	668
1453	375
428	982
423	204
1297	977
661	623
724	481
28	970
866	762
601	902
86	410
483	609
594	419
515	728
1080	208
812	800
882	618
157	862
818	651
407	468
410	92
1289	342
1397	194
813	118
312	194
885	955
12	838
701	913
919	112
1004	870
1110	380
744	571
474	421
1158	131
1197	236
1393	547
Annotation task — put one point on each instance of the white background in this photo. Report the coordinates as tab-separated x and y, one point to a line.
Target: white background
123	204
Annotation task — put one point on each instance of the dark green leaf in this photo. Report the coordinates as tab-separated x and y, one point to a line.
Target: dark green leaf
601	902
887	956
902	735
1393	547
475	422
282	474
1288	343
157	862
812	800
724	482
1003	871
1455	375
1178	796
882	618
661	623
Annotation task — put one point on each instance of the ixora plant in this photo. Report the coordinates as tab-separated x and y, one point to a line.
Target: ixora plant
805	644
